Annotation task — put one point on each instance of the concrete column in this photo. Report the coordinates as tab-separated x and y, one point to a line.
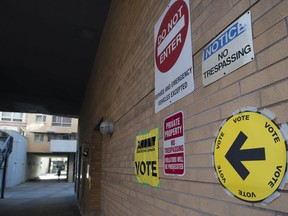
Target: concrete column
71	163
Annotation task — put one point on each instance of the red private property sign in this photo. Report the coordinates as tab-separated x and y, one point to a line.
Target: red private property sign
174	145
173	55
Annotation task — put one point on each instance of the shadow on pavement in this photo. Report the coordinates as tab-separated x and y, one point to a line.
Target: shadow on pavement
40	198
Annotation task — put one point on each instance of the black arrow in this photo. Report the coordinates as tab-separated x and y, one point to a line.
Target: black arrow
235	155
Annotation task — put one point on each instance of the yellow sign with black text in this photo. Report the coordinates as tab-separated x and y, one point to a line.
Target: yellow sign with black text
146	158
250	156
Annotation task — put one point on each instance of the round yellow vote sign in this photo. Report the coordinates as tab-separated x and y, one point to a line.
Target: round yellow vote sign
250	156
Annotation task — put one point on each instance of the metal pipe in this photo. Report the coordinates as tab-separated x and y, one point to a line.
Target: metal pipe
4	177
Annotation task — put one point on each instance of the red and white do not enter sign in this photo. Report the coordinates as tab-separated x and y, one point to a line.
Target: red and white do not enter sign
171	36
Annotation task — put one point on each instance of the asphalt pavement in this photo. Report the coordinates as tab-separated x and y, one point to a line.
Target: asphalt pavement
40	198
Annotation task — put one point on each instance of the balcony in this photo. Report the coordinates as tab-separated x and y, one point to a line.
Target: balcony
63	146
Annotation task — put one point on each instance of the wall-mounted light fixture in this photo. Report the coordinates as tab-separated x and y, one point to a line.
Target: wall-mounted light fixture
106	128
85	149
86	152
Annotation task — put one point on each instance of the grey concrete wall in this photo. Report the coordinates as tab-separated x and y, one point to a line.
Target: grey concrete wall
36	166
16	167
70	171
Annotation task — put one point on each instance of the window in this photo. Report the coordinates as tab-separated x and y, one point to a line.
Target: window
59	136
51	137
38	137
6	116
40	118
66	122
10	116
56	121
61	121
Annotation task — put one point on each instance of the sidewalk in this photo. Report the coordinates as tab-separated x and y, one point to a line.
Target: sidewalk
40	198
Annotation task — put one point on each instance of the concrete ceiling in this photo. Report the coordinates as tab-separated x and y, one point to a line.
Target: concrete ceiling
47	48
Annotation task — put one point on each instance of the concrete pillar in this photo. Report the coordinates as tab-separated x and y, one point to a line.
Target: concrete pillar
71	163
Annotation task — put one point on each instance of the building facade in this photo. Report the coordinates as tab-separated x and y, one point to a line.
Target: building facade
51	141
13	121
122	90
52	144
41	129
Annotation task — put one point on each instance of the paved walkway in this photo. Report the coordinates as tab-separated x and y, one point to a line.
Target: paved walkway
40	198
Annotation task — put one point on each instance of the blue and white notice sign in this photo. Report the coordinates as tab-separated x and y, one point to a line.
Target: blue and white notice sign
230	50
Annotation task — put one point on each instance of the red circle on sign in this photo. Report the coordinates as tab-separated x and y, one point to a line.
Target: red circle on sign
171	36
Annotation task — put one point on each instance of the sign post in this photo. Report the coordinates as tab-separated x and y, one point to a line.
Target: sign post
250	156
174	145
173	55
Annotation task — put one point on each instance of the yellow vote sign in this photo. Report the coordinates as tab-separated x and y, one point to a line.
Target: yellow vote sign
250	156
146	158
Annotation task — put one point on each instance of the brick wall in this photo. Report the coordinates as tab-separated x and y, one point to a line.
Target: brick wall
90	189
121	89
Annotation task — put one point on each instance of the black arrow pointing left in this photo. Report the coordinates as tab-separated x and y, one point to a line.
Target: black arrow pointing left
235	155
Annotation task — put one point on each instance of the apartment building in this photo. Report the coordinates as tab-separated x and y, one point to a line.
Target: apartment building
13	121
51	141
42	129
